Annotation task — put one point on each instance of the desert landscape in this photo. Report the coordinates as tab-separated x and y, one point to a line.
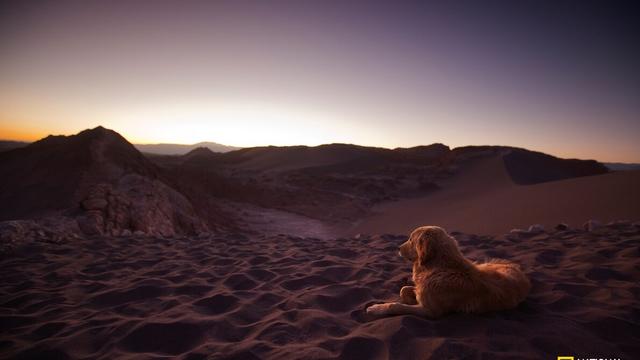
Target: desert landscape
233	255
296	180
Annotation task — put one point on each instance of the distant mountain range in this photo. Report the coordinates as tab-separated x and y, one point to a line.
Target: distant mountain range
8	144
183	149
159	149
180	149
622	166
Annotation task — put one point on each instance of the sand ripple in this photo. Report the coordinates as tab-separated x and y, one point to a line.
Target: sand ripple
286	297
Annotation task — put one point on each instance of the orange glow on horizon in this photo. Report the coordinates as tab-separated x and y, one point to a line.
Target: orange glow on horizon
25	133
20	134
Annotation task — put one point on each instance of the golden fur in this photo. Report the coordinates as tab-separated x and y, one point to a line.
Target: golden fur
446	282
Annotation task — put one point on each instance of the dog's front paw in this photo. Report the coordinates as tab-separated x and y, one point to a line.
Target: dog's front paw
378	309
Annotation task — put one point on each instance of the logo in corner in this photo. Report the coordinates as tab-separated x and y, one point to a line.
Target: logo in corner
584	358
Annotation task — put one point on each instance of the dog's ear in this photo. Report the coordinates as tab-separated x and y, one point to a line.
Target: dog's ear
424	246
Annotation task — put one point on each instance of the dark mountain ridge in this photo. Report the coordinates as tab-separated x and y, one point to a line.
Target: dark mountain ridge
103	182
529	167
348	179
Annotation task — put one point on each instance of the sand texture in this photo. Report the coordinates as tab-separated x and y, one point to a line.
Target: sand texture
284	297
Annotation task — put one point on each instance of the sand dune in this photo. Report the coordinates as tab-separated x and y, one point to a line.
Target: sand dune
234	297
484	199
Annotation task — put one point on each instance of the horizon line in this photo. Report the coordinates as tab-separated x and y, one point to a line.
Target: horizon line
329	143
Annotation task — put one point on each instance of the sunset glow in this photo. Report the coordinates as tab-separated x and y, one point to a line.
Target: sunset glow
293	73
238	124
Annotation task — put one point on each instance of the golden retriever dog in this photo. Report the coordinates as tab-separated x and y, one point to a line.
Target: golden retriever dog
445	281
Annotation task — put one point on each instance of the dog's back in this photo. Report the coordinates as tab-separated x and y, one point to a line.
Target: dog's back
492	286
505	283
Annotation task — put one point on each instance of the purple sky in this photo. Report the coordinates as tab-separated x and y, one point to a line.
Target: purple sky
558	76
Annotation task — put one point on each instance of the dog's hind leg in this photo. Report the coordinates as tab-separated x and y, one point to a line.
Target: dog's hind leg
408	295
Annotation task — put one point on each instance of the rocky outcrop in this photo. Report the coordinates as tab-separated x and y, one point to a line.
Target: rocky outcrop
97	178
136	204
50	229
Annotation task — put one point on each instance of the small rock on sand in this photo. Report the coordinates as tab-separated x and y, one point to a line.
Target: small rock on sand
592	225
536	228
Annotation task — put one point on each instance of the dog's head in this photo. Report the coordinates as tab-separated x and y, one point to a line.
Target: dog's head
428	242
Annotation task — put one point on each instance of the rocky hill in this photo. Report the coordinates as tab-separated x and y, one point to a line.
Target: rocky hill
97	178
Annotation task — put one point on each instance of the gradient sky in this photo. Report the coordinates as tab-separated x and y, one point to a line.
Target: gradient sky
559	76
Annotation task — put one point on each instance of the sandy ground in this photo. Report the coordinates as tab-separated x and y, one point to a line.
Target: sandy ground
259	220
484	200
284	297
